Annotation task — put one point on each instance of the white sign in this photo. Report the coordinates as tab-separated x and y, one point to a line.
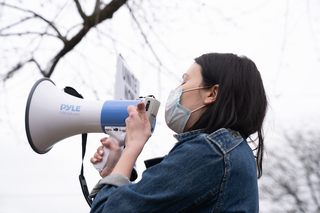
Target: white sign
127	86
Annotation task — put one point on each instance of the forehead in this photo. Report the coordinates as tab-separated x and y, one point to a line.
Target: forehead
194	72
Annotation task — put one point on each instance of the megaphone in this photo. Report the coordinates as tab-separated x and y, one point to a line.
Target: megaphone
53	115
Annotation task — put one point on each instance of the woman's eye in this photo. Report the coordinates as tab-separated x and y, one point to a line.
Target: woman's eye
183	83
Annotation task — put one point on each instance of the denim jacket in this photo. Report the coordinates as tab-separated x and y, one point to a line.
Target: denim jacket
202	173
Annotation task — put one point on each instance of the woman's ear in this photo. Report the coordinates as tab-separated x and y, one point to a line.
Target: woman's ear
211	95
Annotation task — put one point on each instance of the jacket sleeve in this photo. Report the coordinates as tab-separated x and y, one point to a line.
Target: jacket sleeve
188	176
114	180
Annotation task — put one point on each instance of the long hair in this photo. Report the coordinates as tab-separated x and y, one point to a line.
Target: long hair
241	101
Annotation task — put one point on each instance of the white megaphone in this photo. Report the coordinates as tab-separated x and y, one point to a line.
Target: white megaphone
53	115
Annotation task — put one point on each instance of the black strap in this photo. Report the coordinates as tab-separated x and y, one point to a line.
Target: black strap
82	179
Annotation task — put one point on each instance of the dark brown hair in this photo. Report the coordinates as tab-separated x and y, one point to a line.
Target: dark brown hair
241	102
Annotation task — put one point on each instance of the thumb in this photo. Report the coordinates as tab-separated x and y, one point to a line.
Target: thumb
141	108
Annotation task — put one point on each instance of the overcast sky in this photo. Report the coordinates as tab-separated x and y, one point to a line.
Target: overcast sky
282	37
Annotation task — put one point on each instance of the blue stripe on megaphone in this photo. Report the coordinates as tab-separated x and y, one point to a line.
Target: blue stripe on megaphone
114	113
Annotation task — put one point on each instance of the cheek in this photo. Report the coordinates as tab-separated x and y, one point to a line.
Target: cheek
184	100
189	100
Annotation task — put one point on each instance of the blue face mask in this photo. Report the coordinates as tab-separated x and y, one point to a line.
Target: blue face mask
176	116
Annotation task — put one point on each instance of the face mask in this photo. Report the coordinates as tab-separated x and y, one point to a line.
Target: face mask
176	116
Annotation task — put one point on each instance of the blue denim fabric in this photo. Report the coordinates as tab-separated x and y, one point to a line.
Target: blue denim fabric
202	173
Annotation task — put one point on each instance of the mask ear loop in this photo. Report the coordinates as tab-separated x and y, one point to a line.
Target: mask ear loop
196	89
198	108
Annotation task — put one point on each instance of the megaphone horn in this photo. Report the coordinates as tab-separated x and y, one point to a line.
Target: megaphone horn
53	115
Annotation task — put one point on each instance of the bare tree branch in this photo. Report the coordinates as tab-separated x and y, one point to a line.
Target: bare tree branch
295	173
97	11
144	35
98	16
82	14
15	24
72	28
27	33
36	15
106	13
19	66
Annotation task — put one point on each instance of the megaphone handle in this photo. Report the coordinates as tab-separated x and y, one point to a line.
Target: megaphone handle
100	165
118	138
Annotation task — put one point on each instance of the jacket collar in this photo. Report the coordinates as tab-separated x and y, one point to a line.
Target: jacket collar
185	135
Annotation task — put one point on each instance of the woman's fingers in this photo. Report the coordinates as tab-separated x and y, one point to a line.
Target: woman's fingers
97	157
112	158
141	108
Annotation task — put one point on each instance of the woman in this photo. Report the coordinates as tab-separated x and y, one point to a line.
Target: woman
219	104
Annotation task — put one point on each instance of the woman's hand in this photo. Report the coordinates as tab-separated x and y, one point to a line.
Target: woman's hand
138	129
113	157
138	132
